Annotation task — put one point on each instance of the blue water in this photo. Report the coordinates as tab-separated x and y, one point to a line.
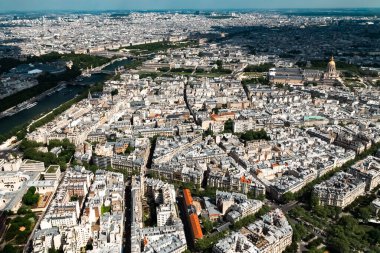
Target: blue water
47	104
51	102
117	64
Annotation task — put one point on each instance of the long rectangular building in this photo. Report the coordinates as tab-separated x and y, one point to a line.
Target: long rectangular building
192	217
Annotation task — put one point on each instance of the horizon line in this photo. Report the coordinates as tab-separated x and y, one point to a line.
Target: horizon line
192	9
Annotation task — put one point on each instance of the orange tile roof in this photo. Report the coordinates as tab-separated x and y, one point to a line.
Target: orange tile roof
196	226
227	113
187	197
245	180
222	116
214	116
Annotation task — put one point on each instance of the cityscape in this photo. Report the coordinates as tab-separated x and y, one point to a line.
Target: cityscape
183	129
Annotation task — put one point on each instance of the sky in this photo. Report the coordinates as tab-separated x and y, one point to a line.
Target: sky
36	5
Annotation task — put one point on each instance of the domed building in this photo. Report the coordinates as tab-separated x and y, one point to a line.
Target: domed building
331	75
331	68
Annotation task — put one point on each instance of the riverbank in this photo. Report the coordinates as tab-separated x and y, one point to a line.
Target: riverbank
17	124
75	65
31	102
21	130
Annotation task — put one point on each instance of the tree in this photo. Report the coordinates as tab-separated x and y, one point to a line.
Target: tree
114	93
105	209
207	192
252	195
299	231
215	110
259	80
337	245
93	168
129	150
374	236
293	248
251	218
164	69
347	235
229	126
263	210
14	232
208	226
321	211
208	132
314	201
219	63
30	198
74	198
26	144
24	210
205	244
348	222
314	243
252	135
364	213
89	247
287	197
9	249
259	68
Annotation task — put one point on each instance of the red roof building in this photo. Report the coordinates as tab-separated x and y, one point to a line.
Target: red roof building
195	226
187	197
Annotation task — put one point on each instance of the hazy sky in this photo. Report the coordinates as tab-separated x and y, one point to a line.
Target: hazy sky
22	5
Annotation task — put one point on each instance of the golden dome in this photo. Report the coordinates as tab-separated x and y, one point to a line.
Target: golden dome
332	62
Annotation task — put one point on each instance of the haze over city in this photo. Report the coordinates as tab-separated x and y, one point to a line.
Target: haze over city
35	5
